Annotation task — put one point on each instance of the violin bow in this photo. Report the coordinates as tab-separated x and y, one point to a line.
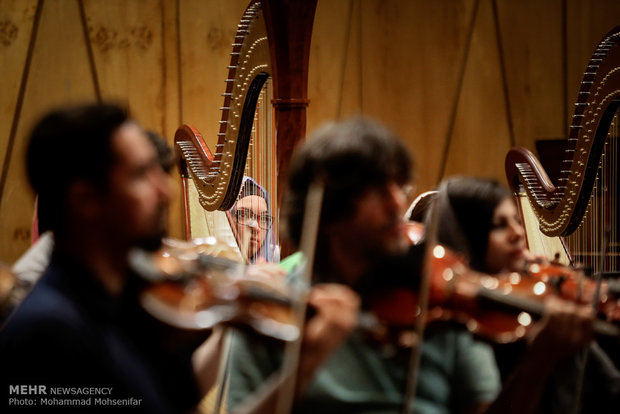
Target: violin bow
430	235
223	370
310	228
224	366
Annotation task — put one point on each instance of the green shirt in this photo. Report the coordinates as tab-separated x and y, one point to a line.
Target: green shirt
456	372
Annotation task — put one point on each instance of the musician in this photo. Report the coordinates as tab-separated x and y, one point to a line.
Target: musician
478	217
31	265
82	326
254	222
361	242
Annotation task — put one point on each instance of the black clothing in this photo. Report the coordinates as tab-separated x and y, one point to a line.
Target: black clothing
69	332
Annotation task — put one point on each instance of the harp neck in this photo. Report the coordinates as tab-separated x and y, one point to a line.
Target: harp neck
560	209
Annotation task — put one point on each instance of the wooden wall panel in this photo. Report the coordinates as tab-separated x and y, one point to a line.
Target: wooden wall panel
458	90
16	22
480	138
385	70
334	70
127	46
207	30
531	40
171	98
413	80
59	73
171	67
587	23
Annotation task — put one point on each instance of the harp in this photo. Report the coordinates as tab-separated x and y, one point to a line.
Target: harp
263	117
571	216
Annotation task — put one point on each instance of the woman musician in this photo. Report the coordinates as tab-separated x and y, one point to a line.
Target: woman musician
478	217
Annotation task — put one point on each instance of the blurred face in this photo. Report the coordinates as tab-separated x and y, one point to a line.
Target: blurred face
376	227
506	247
135	205
252	220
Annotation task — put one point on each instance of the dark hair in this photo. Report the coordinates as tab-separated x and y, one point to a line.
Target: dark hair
466	208
66	145
165	153
349	157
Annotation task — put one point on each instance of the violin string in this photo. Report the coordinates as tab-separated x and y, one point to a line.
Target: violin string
423	298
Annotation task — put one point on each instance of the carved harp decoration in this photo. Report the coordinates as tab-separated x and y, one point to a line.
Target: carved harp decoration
270	53
583	200
217	176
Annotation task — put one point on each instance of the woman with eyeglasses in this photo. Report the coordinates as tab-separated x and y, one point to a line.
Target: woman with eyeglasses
253	223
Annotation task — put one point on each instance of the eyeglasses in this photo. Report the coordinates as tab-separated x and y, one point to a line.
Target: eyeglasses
247	217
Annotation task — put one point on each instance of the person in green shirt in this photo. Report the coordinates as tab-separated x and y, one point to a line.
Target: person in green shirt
361	247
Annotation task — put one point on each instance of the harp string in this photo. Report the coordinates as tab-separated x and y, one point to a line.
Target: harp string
581	203
586	242
260	179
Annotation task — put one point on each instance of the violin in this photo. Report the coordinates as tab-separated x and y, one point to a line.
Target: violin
195	286
573	285
500	309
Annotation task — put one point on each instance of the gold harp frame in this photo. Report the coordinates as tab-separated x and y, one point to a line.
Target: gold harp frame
560	209
272	41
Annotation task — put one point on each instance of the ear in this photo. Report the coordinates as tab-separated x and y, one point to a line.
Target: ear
84	202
